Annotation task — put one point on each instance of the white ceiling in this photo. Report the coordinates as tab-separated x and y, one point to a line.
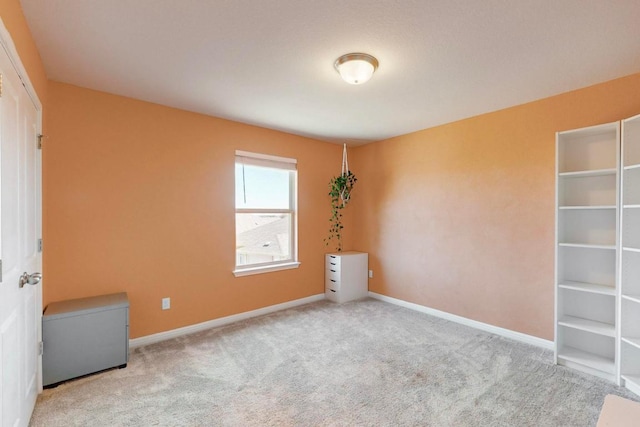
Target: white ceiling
270	62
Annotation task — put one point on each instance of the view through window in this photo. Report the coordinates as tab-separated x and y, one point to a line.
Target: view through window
265	189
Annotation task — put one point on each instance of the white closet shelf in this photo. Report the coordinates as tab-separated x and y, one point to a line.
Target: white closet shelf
586	325
587	207
587	238
596	172
588	359
633	298
588	246
634	379
628	308
632	341
587	287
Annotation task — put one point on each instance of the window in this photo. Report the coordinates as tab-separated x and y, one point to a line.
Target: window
265	213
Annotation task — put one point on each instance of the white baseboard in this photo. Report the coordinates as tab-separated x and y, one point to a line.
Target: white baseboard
507	333
167	335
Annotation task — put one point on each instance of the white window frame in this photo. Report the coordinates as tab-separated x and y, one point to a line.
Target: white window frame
274	162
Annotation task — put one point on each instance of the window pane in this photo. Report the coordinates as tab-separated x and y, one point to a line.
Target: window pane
262	238
261	188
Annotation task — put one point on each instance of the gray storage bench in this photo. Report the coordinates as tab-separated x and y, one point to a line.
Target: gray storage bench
83	336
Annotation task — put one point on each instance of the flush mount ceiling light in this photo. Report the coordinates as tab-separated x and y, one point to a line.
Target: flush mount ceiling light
356	68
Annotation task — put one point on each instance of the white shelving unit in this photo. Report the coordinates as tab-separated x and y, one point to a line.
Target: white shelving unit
587	230
598	251
629	342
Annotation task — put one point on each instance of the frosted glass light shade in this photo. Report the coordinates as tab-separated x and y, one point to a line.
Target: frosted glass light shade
356	68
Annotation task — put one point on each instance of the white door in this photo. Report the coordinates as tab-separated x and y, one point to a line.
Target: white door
20	307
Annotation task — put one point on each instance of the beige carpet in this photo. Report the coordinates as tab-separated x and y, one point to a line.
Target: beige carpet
366	363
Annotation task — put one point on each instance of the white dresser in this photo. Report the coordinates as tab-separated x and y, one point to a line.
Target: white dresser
345	276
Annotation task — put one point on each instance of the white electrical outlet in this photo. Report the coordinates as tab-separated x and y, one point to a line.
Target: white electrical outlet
166	303
370	274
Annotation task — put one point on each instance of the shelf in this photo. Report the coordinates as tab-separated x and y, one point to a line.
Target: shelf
587	207
580	174
588	246
629	306
587	287
587	238
633	379
587	359
632	341
633	298
592	326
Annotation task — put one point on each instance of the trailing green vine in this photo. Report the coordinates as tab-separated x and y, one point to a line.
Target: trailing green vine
340	188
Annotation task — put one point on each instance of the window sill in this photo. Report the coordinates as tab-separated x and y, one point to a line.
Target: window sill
239	272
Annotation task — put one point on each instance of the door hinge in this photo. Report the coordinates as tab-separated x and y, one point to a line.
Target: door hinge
38	140
40	348
39	245
0	85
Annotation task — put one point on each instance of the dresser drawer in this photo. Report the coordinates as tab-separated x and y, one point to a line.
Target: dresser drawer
331	283
332	274
332	263
332	294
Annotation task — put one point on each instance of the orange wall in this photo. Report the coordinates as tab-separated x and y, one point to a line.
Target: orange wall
460	217
140	198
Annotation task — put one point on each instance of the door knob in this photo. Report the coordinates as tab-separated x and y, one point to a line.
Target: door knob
30	279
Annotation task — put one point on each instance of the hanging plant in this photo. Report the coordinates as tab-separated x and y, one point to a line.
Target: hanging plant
340	188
